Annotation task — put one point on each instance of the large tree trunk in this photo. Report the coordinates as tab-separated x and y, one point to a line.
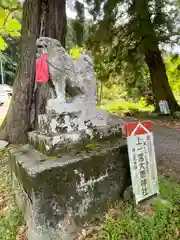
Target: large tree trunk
160	85
149	44
56	25
16	124
18	120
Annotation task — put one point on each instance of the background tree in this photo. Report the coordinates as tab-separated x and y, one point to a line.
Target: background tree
78	23
70	38
10	59
135	31
173	71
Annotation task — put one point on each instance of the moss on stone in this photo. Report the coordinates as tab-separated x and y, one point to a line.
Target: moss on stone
52	157
87	142
78	148
31	141
91	146
42	147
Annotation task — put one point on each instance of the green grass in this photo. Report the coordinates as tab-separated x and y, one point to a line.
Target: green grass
123	107
161	221
126	221
10	216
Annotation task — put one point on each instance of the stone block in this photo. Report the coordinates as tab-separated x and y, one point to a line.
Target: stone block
59	194
64	142
65	122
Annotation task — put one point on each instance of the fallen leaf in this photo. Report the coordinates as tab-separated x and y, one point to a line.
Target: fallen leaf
177	232
22	233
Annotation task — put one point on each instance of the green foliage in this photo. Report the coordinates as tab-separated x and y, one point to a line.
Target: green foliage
10	68
104	66
173	72
131	82
78	23
90	146
113	92
78	31
9	21
70	36
135	30
76	52
134	79
123	107
10	58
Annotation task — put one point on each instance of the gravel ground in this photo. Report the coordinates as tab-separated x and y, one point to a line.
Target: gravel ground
167	147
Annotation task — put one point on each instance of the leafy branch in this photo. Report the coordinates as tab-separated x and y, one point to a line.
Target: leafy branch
9	22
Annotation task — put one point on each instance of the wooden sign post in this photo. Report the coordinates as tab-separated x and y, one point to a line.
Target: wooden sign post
142	160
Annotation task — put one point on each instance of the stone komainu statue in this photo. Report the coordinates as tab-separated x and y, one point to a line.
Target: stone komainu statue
77	78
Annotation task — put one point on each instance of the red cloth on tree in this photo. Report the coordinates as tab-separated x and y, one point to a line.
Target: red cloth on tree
42	71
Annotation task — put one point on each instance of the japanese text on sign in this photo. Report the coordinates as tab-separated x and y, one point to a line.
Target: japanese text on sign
142	160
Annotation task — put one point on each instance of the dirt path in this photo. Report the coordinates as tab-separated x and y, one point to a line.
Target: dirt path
167	147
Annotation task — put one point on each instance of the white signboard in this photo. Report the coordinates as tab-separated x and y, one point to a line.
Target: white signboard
142	160
164	107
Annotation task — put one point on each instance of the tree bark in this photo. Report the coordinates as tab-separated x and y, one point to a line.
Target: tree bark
160	85
16	124
149	45
18	120
56	26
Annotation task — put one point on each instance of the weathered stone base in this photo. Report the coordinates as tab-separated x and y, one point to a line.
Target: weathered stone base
59	194
63	117
58	144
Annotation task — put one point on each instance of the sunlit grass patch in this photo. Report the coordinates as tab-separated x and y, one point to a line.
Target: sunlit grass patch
123	107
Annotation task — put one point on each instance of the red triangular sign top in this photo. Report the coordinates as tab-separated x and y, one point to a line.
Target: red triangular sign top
134	129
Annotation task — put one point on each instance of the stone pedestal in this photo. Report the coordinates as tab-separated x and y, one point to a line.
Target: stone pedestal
54	144
65	117
59	194
63	180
